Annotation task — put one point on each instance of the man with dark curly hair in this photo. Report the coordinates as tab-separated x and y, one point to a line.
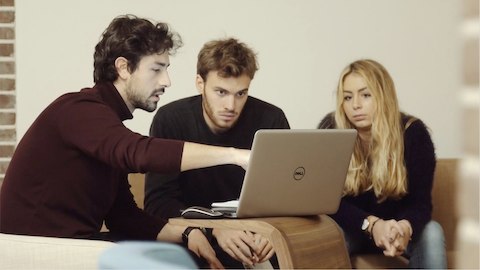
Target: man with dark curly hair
68	174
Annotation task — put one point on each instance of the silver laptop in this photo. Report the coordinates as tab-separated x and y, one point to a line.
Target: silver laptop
293	172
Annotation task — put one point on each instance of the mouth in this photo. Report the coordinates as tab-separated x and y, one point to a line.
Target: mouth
359	117
157	93
227	116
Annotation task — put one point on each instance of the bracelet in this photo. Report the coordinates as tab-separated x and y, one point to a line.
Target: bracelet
187	231
373	225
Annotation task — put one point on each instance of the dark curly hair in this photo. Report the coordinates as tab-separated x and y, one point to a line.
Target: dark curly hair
131	37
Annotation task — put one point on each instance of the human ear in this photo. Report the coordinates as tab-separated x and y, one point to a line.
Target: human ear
199	83
121	65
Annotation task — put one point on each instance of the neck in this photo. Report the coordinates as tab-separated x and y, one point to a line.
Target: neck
121	88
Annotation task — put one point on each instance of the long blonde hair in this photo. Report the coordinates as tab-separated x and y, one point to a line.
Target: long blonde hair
382	167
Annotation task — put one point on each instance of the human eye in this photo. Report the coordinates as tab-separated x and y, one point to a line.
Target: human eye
159	68
221	92
347	98
367	95
242	93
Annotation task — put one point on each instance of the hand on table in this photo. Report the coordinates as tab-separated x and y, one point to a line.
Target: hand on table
245	247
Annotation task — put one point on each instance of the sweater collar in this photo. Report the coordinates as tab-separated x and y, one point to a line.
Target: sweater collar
113	99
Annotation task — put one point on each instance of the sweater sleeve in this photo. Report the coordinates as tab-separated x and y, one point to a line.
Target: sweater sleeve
129	221
420	163
99	133
350	218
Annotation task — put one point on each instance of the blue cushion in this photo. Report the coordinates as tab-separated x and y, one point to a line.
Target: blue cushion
146	255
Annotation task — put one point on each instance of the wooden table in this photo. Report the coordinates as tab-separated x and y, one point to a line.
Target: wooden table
299	242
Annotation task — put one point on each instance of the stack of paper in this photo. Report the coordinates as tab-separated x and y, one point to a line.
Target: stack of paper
228	206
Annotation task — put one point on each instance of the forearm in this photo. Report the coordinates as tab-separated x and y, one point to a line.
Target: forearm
163	195
199	156
171	233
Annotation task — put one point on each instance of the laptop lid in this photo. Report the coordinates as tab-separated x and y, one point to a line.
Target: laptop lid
296	172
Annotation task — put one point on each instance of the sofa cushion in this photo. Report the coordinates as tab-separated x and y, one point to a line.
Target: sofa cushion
37	252
146	255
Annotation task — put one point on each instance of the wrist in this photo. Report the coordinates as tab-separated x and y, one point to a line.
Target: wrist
188	230
367	224
373	226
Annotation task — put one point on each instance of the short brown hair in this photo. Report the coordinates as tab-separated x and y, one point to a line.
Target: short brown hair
229	57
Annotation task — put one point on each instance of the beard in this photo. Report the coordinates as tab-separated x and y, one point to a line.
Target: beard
218	124
138	101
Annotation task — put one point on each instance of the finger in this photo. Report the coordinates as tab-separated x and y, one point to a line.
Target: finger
266	247
215	264
268	256
399	229
231	253
385	243
239	255
250	240
244	248
390	251
210	256
393	234
250	234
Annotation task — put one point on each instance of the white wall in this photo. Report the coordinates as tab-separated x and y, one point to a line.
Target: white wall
302	47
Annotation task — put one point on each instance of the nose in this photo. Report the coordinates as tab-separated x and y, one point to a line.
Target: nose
229	102
164	80
357	104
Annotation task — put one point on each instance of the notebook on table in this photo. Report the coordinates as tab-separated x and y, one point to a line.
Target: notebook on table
293	172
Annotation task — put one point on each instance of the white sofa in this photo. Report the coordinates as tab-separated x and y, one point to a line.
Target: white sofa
36	252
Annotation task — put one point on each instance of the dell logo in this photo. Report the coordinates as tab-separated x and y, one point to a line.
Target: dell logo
299	173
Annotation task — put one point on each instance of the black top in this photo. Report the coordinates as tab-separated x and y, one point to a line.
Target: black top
166	195
416	206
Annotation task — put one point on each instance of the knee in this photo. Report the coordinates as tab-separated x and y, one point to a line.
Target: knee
433	231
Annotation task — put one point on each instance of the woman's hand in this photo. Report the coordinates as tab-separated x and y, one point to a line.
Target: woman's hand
382	236
404	231
392	236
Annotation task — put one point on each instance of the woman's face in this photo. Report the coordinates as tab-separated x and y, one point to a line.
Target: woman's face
358	102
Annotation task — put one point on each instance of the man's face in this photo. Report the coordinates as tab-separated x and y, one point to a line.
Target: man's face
148	82
223	99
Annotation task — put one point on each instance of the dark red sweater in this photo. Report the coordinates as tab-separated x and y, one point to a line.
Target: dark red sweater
69	171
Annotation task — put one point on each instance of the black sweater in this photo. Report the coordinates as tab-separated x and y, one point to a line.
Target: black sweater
416	206
166	195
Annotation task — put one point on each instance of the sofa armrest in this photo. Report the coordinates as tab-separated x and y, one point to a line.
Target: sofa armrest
37	252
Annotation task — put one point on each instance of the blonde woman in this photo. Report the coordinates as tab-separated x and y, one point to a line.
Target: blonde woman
387	202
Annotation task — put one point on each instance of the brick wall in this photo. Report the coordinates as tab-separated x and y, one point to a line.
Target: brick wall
7	84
